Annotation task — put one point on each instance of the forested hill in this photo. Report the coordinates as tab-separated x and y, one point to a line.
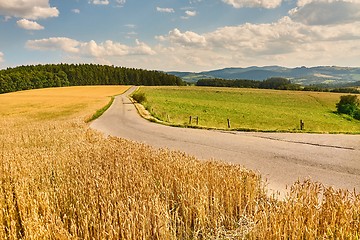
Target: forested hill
59	75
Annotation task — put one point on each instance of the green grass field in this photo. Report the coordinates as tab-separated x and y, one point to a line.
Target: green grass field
249	109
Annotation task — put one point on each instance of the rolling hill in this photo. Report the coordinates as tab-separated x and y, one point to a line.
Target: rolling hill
301	75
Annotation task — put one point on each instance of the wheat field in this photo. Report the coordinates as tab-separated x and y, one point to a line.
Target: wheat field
61	180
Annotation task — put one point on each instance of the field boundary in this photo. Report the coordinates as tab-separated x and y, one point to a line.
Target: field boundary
101	111
144	113
150	116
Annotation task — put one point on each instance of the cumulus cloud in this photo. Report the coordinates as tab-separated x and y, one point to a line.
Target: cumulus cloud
282	36
142	49
277	37
1	57
29	25
58	43
99	2
190	13
301	3
165	10
91	48
253	3
283	42
29	9
187	38
326	12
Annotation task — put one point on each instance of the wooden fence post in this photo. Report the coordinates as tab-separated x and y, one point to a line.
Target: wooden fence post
302	124
190	120
197	120
228	122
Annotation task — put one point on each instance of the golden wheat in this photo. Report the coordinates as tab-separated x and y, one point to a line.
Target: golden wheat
61	180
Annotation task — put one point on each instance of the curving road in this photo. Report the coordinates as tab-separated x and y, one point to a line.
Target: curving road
281	158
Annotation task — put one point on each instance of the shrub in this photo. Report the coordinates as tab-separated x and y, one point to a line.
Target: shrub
139	97
357	114
348	105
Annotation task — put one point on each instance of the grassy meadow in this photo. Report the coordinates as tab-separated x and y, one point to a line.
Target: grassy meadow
249	109
61	180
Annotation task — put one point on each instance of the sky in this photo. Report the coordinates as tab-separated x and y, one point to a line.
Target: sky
181	35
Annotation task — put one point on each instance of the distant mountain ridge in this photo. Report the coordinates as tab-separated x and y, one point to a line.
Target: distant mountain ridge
301	75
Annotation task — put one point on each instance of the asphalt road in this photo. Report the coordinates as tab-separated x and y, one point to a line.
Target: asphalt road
281	158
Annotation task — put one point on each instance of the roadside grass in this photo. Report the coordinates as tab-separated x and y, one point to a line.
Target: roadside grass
249	109
61	180
101	111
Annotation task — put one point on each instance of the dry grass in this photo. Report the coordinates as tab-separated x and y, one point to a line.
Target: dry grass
60	180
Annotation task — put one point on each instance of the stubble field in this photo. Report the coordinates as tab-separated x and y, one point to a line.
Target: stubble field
61	180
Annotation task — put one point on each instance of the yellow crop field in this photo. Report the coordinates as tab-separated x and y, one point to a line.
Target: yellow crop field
56	103
61	180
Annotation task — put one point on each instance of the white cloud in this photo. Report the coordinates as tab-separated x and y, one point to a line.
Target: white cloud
59	43
187	39
29	25
99	2
258	38
120	2
285	42
190	13
29	9
165	10
77	11
1	57
253	3
142	49
326	12
91	48
301	3
130	25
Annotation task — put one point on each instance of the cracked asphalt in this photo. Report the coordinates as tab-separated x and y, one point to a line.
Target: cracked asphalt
281	158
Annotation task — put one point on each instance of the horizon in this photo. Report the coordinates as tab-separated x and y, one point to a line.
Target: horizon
209	70
179	35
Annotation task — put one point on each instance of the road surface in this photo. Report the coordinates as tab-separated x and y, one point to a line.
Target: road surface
281	158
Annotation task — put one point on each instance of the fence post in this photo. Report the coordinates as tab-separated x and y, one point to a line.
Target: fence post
228	122
197	120
190	120
302	124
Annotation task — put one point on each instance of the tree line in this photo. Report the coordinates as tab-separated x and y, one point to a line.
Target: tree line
270	83
60	75
277	83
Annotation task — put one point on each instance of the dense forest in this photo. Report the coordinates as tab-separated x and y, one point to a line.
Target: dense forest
59	75
273	83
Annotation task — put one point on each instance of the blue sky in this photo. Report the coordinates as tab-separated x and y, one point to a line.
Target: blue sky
184	35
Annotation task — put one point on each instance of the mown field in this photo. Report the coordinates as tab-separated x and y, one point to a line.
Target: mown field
249	109
61	180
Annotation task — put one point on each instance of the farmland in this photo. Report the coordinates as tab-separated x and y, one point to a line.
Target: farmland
249	109
61	180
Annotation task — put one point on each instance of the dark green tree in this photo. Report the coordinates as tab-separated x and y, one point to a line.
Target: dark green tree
349	104
58	75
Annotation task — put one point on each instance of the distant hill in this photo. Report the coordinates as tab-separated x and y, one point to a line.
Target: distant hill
301	75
